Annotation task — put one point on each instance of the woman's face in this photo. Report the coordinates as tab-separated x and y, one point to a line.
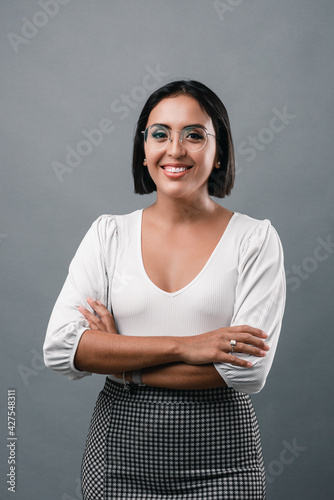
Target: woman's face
176	113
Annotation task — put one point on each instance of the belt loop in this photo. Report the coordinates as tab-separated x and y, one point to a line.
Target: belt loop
126	384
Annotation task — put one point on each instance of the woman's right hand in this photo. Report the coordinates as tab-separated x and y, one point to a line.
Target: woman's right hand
215	347
104	322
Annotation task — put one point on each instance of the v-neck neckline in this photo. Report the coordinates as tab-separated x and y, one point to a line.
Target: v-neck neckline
201	272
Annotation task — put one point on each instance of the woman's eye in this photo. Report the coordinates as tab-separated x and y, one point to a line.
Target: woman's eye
159	134
194	136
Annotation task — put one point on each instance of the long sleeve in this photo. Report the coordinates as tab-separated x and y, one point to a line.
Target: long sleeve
259	302
87	277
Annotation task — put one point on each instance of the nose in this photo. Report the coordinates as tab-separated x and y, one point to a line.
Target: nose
174	146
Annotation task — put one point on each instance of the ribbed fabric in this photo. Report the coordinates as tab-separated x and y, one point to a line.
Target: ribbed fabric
243	282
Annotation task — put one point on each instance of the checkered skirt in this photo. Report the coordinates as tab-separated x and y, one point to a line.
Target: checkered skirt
160	444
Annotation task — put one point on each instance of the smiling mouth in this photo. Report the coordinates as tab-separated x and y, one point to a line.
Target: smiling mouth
176	169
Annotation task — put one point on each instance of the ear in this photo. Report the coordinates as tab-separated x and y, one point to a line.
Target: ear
216	163
145	162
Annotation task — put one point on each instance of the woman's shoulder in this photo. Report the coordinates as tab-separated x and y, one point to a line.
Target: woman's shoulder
114	219
248	225
254	232
107	225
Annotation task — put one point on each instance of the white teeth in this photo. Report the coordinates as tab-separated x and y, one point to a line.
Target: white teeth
175	169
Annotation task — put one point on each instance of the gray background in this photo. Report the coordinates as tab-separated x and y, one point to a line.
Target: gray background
61	78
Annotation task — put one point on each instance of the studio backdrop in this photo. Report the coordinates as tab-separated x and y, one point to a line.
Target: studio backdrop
74	77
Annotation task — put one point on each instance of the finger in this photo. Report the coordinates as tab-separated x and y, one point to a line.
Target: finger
101	310
92	319
98	307
249	349
105	315
250	329
88	314
233	360
94	322
251	339
93	326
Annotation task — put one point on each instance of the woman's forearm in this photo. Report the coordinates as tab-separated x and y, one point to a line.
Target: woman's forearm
183	376
105	353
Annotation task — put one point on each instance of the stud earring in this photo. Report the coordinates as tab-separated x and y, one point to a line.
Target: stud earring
144	162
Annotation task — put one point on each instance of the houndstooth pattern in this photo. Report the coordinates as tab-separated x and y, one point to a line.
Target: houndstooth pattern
164	444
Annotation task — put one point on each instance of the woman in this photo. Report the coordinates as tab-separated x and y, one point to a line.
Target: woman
185	303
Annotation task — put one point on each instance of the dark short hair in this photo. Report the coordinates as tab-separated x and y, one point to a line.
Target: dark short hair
221	180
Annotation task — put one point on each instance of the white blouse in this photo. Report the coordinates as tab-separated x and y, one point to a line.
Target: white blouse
243	282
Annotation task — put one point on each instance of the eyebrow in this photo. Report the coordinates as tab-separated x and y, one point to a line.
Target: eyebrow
170	128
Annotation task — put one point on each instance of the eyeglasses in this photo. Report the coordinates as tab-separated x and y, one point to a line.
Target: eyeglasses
192	138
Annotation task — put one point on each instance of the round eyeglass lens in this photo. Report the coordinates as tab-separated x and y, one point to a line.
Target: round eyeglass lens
157	136
193	138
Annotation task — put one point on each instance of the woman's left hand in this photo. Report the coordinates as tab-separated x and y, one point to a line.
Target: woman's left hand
104	322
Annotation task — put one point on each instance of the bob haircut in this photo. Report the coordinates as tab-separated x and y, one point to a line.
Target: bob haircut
221	180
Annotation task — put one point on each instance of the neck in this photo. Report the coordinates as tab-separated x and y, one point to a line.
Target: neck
183	211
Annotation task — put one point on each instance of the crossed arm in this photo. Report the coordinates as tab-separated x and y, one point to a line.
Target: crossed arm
170	362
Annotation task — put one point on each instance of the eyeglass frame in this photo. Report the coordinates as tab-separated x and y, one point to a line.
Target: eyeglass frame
179	132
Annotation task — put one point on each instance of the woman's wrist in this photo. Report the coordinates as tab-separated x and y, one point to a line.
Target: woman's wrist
182	376
181	348
133	377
